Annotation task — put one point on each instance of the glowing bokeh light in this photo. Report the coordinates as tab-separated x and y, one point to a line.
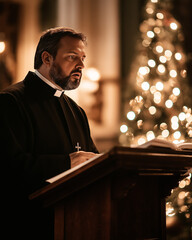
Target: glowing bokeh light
182	116
160	15
123	128
150	34
159	49
145	86
161	68
141	140
178	56
165	133
151	63
157	97
2	47
174	119
169	104
159	86
150	135
152	110
143	70
177	135
176	91
168	54
162	59
173	26
131	115
92	74
173	73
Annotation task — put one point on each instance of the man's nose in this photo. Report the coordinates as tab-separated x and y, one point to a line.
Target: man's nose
80	64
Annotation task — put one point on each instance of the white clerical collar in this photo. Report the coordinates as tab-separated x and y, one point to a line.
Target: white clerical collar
59	90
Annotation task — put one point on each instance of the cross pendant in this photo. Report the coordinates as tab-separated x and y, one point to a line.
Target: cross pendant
78	147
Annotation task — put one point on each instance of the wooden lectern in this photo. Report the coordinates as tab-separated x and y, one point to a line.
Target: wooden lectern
119	195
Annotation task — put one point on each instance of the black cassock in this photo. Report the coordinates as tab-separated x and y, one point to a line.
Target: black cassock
38	131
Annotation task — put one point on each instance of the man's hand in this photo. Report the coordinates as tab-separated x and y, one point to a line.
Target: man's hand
80	157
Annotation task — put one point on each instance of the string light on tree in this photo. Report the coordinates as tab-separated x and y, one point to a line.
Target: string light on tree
2	47
157	99
160	73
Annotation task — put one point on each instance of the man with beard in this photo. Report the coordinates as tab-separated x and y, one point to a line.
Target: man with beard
40	130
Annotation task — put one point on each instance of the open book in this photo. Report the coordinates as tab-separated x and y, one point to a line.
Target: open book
162	143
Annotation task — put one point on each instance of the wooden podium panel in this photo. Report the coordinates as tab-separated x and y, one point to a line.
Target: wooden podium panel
120	195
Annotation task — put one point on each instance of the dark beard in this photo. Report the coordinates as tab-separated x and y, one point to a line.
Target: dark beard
64	82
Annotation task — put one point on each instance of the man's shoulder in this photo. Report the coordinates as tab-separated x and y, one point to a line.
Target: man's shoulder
16	89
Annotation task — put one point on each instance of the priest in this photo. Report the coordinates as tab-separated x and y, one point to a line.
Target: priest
43	131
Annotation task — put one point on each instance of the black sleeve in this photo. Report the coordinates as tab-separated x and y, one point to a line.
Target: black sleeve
17	161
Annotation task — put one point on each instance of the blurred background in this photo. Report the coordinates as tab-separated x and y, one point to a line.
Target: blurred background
112	29
127	40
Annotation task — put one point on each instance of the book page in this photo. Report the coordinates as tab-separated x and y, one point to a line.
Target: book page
162	143
184	146
158	143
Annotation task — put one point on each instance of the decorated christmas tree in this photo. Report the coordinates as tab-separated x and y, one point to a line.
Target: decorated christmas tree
157	100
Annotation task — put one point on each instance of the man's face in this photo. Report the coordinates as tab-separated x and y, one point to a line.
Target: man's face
66	68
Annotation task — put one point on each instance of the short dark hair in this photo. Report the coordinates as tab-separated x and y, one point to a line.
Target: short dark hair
49	42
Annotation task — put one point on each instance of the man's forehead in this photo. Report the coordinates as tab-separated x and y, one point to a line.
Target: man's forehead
71	44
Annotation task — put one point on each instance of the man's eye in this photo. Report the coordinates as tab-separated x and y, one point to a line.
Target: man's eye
72	57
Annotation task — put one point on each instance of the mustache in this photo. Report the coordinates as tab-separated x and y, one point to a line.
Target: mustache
76	71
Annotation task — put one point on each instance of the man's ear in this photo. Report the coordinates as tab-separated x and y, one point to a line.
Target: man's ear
46	58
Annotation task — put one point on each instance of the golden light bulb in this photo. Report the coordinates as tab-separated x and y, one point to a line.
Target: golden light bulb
123	128
152	110
174	119
157	97
149	10
143	70
150	34
165	133
176	91
153	89
141	140
169	104
151	63
157	30
92	74
145	86
175	125
178	56
177	135
159	86
173	73
159	49
162	59
182	116
2	47
163	126
173	26
131	115
168	54
160	15
161	68
150	135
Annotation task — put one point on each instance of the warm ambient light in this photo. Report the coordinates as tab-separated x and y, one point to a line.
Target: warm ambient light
173	26
131	115
92	74
2	47
123	128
